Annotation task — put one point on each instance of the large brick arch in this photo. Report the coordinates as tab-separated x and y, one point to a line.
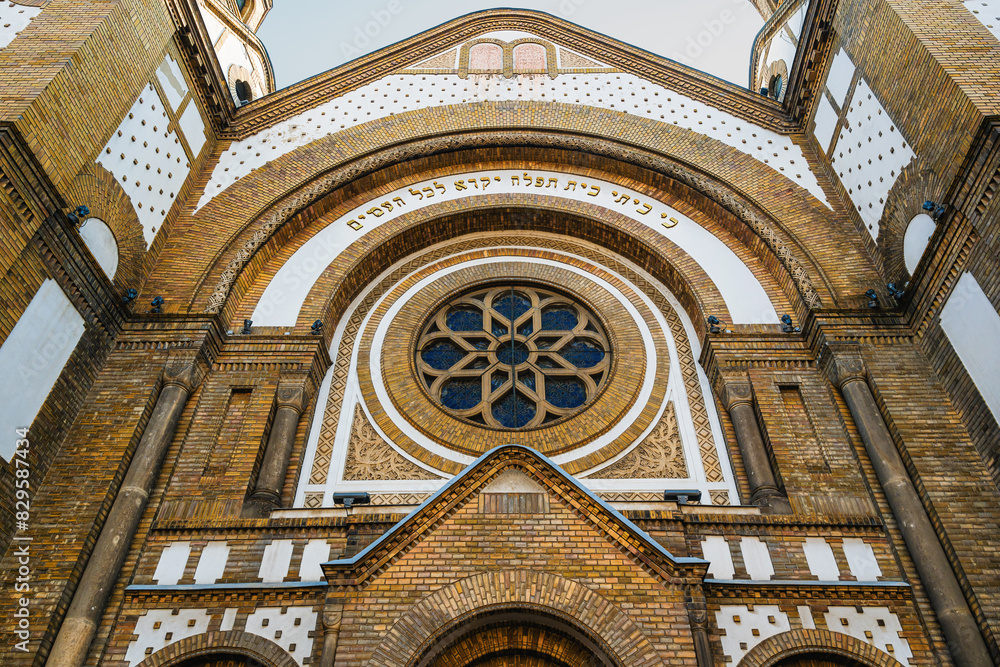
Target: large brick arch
239	263
515	589
774	650
228	643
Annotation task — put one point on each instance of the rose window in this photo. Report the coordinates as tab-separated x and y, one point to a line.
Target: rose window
513	356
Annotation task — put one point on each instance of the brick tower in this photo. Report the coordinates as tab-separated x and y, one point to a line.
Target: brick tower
510	344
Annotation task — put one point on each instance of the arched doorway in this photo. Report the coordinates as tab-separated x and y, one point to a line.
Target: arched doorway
515	637
819	659
222	660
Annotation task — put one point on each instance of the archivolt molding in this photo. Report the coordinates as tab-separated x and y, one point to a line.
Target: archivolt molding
773	650
523	589
230	642
737	204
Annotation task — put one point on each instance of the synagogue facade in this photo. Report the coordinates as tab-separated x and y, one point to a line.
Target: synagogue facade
508	344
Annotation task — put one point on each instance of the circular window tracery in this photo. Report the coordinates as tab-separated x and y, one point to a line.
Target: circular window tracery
553	347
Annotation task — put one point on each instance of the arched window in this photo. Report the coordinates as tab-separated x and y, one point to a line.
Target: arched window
243	92
774	87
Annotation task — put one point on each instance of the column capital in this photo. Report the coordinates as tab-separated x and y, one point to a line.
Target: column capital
842	363
734	389
184	370
293	390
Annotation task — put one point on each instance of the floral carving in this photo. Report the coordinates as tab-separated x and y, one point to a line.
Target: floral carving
369	457
659	456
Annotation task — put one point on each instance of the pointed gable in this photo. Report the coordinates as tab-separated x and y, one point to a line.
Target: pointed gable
548	503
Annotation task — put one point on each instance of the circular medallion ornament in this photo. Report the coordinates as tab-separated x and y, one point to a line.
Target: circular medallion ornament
513	356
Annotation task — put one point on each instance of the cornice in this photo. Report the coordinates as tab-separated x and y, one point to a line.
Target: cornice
698	85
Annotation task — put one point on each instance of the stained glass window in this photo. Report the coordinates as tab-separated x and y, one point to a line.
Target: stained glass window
513	356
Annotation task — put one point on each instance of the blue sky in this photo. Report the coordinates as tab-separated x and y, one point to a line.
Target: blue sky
306	37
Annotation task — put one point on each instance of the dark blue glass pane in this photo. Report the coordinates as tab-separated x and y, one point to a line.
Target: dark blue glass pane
497	380
545	362
479	343
569	393
462	394
465	320
526	328
512	306
442	356
513	412
527	378
499	330
509	354
562	319
582	354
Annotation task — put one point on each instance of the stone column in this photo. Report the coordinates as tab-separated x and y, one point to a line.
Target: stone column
737	396
78	628
291	399
846	369
697	609
332	616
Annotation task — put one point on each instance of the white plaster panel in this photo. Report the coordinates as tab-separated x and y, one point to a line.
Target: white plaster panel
173	560
212	563
806	617
147	160
715	549
740	623
822	563
826	123
172	81
873	625
988	13
212	24
314	553
282	300
288	628
918	234
756	558
160	628
32	357
861	559
274	564
838	81
193	128
228	619
14	19
781	47
871	152
973	327
101	242
620	92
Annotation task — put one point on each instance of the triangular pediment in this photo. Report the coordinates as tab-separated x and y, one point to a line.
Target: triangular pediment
513	480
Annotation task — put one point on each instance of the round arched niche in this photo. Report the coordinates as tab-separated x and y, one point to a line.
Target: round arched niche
102	244
918	235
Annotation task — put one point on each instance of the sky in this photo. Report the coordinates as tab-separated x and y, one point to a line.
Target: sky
306	37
